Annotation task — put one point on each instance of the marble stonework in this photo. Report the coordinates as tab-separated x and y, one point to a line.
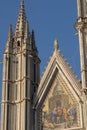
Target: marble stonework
56	102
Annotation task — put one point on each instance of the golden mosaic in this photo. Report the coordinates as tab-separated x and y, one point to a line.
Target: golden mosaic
59	110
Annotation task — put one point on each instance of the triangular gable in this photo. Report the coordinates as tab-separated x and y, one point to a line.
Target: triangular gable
57	64
59	88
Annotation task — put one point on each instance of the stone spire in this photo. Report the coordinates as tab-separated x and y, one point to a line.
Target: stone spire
21	22
9	39
32	41
10	33
21	76
26	34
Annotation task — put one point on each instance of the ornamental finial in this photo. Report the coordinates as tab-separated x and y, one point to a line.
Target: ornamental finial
56	46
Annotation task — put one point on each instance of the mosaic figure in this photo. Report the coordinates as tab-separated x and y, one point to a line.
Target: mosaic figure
61	113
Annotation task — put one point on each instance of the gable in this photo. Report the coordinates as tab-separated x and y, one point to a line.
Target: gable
57	65
59	89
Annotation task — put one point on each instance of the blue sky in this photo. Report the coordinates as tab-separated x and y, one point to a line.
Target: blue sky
50	19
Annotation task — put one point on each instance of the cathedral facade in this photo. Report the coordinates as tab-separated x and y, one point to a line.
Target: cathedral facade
56	102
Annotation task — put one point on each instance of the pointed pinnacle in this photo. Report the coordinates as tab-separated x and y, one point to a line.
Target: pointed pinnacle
56	44
22	2
26	29
20	25
33	39
10	33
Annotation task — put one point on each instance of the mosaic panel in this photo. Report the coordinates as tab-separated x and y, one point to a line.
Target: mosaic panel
59	110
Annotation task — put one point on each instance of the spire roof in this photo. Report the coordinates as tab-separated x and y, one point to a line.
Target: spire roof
21	21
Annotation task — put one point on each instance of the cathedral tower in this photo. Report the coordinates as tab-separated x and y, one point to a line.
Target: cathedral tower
56	102
21	76
81	27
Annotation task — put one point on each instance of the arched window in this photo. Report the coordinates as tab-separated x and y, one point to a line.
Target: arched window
18	43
